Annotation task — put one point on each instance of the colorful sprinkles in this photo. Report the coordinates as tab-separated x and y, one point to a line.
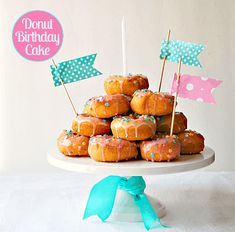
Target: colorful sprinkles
125	119
136	83
69	132
144	90
149	118
136	91
160	119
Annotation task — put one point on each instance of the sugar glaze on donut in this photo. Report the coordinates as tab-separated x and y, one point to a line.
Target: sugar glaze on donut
89	126
107	106
134	127
110	149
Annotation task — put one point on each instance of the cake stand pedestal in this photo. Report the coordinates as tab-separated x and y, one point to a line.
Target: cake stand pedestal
125	208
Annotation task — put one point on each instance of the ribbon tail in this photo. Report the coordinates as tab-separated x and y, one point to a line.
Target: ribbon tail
199	49
93	71
101	198
199	64
150	218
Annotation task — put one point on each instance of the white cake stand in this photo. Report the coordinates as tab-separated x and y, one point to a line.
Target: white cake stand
125	208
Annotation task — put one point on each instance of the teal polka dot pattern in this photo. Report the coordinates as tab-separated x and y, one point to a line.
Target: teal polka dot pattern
175	49
74	70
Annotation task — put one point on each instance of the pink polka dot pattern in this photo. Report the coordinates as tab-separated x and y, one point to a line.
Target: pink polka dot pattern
195	87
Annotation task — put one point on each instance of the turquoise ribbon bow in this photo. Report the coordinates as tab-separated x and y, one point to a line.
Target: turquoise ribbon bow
74	70
102	197
188	52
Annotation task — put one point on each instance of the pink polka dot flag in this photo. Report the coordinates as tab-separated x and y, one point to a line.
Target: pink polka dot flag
195	87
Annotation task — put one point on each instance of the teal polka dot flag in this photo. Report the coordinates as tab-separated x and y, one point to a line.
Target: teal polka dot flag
74	70
175	49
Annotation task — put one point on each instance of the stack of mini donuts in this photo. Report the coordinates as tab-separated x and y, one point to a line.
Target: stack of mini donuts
130	122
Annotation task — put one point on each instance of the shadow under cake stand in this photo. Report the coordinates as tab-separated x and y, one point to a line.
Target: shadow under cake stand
125	208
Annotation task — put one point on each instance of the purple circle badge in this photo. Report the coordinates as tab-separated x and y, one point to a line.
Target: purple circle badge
37	35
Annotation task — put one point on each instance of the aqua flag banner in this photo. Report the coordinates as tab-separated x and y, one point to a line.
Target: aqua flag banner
175	49
74	70
102	197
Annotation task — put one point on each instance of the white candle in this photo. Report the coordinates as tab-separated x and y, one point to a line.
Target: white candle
124	60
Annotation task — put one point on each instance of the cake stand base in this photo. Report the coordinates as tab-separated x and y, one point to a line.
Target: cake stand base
126	210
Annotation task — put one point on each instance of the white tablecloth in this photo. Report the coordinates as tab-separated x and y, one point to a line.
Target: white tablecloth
195	201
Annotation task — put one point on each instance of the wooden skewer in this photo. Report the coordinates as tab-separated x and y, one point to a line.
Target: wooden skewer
164	62
67	93
176	96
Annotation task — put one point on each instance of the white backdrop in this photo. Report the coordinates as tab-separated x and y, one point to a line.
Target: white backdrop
33	112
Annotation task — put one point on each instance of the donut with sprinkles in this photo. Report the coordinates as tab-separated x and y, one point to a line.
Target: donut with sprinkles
147	102
125	84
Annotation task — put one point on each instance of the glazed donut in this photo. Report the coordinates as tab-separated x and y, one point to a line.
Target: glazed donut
72	144
191	142
165	148
164	123
134	127
89	126
125	84
110	149
107	106
146	102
